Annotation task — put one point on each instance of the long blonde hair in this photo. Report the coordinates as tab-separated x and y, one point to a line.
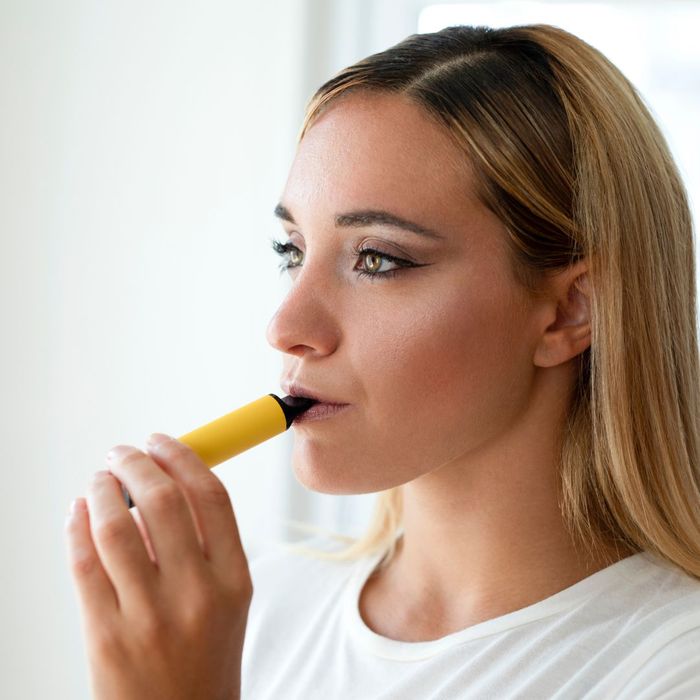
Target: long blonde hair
568	156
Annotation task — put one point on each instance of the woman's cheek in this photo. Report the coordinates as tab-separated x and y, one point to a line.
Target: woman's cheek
441	378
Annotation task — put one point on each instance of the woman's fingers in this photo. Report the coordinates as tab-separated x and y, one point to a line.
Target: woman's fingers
144	533
163	508
96	595
208	499
174	628
117	540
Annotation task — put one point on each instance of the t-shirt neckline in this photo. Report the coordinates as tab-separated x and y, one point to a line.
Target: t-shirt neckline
622	571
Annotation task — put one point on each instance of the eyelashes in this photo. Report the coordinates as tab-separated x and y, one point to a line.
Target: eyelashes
287	250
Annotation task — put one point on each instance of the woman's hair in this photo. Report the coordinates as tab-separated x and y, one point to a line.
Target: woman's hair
568	156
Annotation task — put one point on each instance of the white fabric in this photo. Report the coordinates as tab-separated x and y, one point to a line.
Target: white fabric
630	631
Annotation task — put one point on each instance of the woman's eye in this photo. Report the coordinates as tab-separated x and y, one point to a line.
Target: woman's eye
370	261
373	261
289	252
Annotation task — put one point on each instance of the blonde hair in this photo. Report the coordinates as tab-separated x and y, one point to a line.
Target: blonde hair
568	156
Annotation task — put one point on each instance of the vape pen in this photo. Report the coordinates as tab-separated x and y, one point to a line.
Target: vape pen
241	429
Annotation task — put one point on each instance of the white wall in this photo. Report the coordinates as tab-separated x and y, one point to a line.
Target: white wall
142	149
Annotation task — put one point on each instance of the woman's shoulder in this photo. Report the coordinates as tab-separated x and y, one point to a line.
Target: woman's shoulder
663	637
662	584
649	594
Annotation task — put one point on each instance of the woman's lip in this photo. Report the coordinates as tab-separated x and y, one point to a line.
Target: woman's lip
294	389
320	411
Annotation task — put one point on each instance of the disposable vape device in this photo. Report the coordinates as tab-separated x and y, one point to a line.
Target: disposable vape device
242	429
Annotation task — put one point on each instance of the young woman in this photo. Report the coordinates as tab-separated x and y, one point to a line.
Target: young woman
493	279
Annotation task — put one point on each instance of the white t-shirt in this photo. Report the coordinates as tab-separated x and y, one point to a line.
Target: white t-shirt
630	631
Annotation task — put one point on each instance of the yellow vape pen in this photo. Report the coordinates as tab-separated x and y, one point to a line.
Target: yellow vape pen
241	429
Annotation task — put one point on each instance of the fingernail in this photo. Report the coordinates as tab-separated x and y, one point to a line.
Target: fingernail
158	438
120	451
76	504
115	453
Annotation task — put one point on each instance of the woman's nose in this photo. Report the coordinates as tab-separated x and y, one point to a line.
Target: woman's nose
304	321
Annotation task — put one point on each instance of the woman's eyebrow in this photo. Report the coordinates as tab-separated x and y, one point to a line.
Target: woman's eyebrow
367	217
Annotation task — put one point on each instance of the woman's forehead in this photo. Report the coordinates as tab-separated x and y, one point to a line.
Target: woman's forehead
379	149
380	129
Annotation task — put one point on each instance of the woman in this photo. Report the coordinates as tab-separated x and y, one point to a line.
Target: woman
493	277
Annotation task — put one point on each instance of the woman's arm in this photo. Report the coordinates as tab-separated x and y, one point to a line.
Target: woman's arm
164	599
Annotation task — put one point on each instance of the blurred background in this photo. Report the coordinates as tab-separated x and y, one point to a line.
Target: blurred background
143	147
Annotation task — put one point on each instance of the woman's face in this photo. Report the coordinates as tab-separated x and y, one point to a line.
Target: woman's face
435	360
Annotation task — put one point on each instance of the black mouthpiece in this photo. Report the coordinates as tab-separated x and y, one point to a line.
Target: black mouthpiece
293	406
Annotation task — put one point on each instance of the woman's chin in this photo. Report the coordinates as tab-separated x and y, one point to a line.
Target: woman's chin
332	478
321	480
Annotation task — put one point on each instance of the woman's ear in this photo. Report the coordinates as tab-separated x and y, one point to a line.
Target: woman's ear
568	330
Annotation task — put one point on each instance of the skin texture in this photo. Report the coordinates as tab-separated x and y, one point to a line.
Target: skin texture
164	590
457	382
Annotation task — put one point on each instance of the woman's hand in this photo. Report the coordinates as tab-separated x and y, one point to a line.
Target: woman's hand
164	595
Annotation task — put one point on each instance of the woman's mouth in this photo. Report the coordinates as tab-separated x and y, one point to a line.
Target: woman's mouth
320	411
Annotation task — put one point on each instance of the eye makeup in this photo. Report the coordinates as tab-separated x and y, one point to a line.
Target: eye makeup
287	250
